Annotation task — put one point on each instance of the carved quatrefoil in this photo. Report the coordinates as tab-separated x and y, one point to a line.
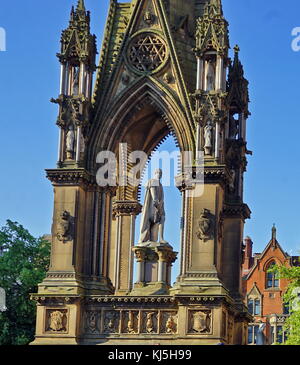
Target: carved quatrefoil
147	52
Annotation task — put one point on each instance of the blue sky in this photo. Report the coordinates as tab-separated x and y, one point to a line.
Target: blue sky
29	77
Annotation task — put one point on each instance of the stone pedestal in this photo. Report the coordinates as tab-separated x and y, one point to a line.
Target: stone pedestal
154	262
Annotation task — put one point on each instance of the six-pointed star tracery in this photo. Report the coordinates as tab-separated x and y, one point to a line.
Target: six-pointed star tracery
147	52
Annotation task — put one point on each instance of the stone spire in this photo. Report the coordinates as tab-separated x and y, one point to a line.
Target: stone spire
238	94
80	6
77	41
212	29
214	6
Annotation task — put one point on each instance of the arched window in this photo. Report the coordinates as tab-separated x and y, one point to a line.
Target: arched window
272	281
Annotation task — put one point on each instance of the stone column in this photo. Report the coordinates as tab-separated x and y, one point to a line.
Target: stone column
219	73
63	79
162	277
200	249
140	254
217	143
75	233
234	218
82	79
78	143
199	85
125	214
61	144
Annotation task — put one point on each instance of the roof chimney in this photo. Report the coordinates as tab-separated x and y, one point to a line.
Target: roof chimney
248	253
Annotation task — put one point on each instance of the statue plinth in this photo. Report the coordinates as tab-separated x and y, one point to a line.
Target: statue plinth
154	263
153	244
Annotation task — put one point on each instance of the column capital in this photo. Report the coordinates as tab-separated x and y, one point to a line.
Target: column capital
166	254
140	253
125	207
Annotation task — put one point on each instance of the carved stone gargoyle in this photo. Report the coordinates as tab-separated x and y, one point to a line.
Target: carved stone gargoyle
206	225
64	227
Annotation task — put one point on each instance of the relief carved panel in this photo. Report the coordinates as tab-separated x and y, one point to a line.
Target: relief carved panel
111	322
168	323
200	322
92	322
56	320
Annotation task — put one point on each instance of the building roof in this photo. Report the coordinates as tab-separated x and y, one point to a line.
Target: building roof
272	245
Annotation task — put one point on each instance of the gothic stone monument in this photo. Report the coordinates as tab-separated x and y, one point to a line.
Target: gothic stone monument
164	69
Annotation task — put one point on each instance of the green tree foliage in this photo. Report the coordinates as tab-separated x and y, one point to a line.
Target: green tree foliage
23	265
292	325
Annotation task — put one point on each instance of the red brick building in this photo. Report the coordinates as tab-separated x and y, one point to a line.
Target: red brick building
263	292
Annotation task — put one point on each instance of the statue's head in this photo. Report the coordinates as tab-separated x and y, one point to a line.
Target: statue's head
158	174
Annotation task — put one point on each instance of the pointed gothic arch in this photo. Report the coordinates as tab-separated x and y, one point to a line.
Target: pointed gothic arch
111	129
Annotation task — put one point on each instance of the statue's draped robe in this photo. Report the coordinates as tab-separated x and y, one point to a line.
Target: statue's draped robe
154	192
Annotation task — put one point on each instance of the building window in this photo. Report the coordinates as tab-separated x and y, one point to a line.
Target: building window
278	335
257	307
252	334
250	305
272	281
254	306
286	308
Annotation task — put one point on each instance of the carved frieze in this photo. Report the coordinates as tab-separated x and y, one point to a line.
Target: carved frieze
149	322
168	323
92	322
111	322
130	322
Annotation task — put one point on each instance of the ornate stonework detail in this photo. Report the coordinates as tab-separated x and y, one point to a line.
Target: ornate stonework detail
206	225
148	18
126	208
125	79
147	52
65	227
212	29
238	210
92	321
200	321
130	322
230	329
72	177
169	322
149	322
167	78
72	109
111	322
56	320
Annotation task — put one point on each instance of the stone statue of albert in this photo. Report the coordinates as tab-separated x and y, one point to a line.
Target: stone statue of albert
153	214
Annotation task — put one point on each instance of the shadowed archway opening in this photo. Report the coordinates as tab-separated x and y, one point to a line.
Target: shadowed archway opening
165	157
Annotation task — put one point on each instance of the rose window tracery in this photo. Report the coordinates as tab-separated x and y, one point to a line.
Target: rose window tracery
147	52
